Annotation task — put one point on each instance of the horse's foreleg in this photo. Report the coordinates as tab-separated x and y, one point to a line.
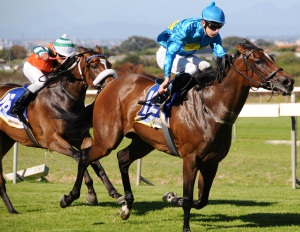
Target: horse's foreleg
137	149
3	193
99	170
91	196
83	163
60	145
189	176
205	181
128	199
6	144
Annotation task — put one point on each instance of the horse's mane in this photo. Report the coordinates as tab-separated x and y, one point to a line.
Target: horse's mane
61	71
208	76
216	72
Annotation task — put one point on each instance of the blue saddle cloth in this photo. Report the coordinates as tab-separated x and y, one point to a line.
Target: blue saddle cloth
7	101
149	114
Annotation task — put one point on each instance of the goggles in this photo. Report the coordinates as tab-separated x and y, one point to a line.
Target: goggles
213	25
61	56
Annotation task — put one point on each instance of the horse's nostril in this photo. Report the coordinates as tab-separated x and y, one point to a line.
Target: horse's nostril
288	82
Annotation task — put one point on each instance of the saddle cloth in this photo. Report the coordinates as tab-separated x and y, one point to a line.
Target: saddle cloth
150	114
6	102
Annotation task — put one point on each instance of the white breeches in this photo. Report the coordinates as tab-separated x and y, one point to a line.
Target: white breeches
188	64
35	76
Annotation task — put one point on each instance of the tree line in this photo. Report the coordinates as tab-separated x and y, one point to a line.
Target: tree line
138	50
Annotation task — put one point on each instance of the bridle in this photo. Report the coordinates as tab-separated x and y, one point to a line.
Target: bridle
266	84
77	63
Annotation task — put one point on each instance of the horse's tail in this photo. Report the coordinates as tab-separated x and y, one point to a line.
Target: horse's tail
77	124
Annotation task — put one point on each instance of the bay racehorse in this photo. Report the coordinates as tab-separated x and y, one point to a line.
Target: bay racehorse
201	123
66	90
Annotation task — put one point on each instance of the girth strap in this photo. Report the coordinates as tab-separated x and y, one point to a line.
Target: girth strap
30	135
169	137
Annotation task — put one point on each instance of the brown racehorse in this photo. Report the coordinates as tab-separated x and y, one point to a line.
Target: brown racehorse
67	90
201	124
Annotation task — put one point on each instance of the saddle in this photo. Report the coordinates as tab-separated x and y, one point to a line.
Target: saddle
177	89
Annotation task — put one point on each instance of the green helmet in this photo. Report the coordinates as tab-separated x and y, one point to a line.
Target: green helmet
64	46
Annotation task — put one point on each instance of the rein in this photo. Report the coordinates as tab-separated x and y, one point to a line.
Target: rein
62	87
266	83
78	62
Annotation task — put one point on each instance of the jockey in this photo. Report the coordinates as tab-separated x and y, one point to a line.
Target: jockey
183	38
42	61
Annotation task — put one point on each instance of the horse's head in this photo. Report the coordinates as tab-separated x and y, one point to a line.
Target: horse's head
95	69
260	69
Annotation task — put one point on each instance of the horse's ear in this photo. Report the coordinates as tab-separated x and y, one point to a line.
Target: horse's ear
245	46
81	49
98	49
241	48
108	64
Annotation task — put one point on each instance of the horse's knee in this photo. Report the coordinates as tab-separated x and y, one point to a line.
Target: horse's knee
123	162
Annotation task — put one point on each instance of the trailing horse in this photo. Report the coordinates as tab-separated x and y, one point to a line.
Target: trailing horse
66	91
201	123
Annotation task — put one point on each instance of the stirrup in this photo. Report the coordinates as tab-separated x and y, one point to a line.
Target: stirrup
17	111
159	99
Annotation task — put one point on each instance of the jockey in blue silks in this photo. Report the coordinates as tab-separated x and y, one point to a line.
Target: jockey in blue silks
182	39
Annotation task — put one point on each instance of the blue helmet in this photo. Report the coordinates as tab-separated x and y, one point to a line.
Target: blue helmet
213	13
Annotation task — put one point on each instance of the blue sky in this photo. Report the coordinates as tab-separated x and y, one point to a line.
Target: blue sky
119	19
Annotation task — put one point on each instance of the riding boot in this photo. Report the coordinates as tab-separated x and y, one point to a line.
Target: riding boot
159	99
19	107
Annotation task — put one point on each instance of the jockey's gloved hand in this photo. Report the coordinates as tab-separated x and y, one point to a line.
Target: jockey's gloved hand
218	51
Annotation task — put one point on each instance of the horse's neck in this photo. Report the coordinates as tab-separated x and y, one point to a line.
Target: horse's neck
63	93
225	101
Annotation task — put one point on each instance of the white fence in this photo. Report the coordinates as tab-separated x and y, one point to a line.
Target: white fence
276	110
249	110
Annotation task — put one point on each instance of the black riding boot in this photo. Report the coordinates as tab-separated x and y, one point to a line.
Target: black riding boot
19	107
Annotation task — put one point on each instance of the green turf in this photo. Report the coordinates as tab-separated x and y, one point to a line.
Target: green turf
251	192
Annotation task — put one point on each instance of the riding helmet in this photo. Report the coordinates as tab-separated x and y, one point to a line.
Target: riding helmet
213	13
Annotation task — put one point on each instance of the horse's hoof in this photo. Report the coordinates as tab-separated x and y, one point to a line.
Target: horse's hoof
14	212
62	202
91	199
125	212
121	200
170	197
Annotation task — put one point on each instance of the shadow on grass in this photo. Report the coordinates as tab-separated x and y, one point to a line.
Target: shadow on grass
218	220
142	207
240	203
250	220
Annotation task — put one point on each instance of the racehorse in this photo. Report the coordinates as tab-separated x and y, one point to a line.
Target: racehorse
66	90
201	123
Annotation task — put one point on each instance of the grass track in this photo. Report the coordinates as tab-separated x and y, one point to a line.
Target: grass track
251	192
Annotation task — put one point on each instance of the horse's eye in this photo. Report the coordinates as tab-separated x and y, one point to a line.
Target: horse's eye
258	62
94	66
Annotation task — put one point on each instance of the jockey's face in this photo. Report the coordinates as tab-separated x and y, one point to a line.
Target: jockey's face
211	30
60	58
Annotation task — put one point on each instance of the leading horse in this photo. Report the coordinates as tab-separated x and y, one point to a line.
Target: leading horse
66	90
201	123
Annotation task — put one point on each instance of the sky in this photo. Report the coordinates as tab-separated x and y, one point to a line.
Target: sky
120	19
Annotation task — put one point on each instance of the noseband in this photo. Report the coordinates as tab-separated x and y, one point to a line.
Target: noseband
266	80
